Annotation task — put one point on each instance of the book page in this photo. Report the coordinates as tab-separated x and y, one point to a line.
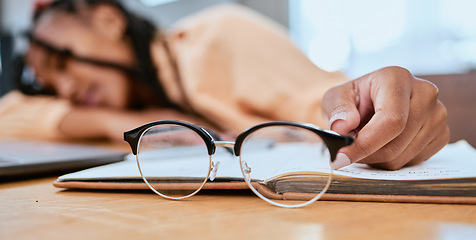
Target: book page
128	169
457	160
188	162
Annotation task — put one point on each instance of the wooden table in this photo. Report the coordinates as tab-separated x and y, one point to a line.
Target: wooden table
34	209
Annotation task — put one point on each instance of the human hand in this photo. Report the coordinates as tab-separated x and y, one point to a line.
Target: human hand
396	119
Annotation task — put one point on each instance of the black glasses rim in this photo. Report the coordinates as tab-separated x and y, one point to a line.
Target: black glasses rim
333	141
64	52
133	136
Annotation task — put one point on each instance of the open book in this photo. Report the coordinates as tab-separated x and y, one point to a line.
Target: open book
448	177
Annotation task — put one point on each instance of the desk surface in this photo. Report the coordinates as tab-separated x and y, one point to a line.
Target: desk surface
34	209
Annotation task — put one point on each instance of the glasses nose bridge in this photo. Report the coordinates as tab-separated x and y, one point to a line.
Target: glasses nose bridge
226	144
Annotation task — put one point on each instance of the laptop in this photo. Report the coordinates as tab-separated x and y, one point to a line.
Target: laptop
22	158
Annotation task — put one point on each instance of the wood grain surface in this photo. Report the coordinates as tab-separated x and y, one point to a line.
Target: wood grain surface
34	209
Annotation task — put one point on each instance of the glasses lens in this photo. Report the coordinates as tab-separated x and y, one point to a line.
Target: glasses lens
286	165
173	160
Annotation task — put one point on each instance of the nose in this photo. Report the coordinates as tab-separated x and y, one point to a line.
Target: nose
65	86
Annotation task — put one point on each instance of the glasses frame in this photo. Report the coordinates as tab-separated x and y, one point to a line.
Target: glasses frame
333	141
66	53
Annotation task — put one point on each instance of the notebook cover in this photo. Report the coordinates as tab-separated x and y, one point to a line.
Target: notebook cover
243	185
449	177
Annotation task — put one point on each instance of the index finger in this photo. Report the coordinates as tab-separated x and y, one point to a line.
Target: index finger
388	93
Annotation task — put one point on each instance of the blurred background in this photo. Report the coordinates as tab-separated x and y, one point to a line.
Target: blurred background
434	39
429	37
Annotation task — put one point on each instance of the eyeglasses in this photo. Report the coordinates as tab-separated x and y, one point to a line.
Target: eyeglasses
287	164
63	54
26	78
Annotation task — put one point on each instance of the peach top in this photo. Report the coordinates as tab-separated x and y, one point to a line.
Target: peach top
234	67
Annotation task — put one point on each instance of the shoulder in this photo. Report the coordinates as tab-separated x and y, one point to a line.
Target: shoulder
225	18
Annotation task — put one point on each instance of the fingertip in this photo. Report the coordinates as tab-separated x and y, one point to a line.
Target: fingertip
336	117
341	161
344	122
339	126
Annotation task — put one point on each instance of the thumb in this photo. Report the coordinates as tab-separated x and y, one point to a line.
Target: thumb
340	105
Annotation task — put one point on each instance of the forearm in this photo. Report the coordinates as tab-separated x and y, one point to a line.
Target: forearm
87	123
82	123
31	117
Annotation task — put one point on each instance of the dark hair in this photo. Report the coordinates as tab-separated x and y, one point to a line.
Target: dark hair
140	31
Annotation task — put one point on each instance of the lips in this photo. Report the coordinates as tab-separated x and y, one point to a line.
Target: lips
90	97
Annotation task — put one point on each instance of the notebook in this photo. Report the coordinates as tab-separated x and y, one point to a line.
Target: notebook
21	158
448	177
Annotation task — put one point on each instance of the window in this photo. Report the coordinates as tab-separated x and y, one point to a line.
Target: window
425	36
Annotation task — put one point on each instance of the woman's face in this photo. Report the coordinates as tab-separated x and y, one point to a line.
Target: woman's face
83	83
